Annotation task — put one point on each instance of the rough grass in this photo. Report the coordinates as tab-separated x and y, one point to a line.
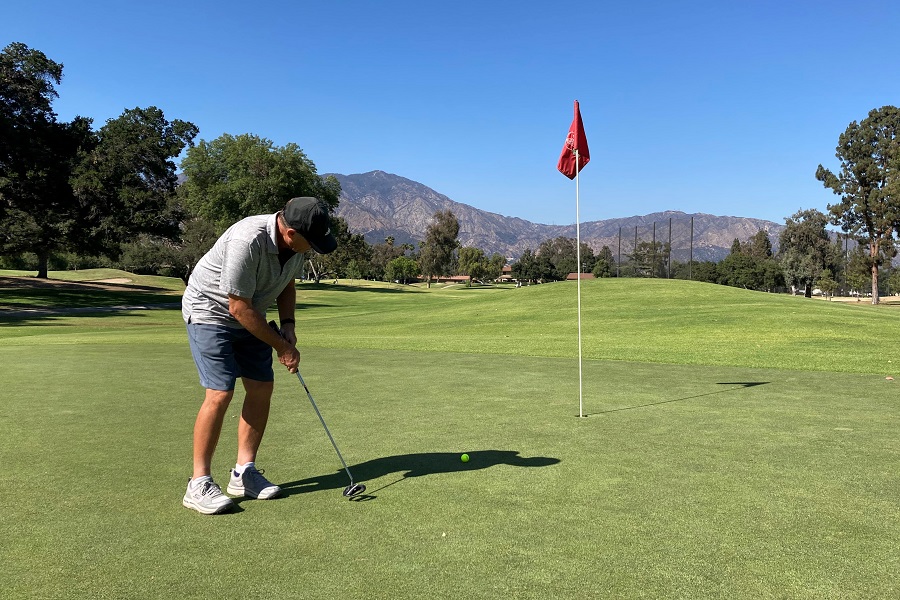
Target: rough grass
66	290
94	275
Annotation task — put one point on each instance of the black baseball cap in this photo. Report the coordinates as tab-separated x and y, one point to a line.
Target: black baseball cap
309	217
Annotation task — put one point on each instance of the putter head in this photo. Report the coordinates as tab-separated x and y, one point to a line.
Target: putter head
353	490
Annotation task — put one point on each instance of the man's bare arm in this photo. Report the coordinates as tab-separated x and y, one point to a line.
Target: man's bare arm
255	322
287	303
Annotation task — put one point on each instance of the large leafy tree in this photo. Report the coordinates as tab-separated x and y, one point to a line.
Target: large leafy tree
533	267
38	212
43	215
526	267
472	262
401	269
759	247
438	254
493	267
66	187
126	184
751	265
650	259
805	249
28	81
605	264
477	265
894	282
739	269
352	256
384	253
233	177
869	185
561	253
155	255
858	273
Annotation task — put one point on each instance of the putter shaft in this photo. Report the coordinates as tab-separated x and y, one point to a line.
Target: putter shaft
324	426
353	488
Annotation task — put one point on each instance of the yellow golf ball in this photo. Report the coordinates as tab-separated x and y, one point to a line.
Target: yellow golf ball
464	458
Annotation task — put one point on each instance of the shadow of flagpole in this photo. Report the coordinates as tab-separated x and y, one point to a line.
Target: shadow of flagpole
740	385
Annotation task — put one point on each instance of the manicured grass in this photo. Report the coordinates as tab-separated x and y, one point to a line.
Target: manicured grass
675	322
678	322
691	480
683	482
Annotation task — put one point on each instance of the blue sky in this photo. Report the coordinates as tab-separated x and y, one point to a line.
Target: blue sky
717	107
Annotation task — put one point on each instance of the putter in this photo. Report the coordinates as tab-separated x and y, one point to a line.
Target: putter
354	488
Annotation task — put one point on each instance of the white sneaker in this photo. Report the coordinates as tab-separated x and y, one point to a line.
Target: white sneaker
252	484
206	497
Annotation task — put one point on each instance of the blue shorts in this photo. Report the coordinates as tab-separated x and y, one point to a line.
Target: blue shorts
222	354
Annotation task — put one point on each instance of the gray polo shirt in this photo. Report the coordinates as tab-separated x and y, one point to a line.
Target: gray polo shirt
243	262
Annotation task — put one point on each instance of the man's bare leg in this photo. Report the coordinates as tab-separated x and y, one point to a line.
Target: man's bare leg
254	416
208	427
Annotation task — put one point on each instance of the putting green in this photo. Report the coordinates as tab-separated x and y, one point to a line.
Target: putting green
684	481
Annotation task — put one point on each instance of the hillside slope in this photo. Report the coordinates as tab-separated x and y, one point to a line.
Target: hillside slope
379	205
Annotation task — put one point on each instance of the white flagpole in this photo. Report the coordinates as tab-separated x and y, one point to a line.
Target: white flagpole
578	268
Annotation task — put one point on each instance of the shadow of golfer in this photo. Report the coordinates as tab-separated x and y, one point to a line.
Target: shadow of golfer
413	465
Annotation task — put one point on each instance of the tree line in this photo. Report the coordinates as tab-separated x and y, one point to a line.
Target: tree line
810	258
66	187
72	195
439	254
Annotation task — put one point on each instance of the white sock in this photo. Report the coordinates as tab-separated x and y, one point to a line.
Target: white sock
198	480
241	468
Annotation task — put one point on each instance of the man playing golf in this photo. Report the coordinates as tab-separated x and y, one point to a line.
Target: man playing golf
253	265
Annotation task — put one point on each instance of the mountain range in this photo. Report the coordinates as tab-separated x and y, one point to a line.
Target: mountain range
379	205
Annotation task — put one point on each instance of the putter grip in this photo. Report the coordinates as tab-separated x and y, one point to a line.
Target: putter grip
274	326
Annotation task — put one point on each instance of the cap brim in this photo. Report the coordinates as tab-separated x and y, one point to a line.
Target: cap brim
326	245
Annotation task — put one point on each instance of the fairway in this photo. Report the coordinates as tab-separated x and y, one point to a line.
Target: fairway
704	470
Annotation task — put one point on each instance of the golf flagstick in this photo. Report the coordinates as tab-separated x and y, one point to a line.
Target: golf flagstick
578	268
574	157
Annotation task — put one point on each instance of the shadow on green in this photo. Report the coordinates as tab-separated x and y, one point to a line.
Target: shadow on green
739	386
414	465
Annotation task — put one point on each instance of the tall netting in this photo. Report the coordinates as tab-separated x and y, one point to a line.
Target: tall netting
661	249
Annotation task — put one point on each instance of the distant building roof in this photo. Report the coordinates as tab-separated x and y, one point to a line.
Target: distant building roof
574	276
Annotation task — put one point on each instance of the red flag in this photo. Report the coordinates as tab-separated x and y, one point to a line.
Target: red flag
576	140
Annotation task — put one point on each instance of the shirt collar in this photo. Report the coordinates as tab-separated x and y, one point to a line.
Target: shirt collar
272	230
